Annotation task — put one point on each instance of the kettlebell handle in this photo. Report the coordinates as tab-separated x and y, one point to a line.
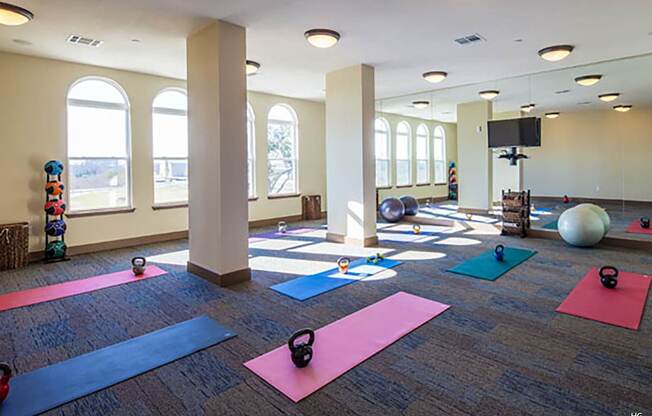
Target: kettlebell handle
499	248
6	371
138	261
608	271
301	333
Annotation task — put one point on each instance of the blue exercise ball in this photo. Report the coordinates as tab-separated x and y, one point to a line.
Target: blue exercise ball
55	228
411	205
53	167
392	210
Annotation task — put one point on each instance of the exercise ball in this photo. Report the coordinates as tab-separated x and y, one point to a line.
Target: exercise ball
53	167
55	228
601	213
411	205
581	227
392	209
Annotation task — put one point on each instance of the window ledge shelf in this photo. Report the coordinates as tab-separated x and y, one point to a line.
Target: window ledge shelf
253	198
81	214
158	207
383	187
423	184
283	196
404	186
441	183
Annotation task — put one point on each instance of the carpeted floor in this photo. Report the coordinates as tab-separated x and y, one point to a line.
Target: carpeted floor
500	350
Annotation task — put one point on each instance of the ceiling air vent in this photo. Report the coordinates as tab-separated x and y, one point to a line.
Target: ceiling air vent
80	40
469	40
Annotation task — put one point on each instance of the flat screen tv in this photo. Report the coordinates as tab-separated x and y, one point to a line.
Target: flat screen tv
519	132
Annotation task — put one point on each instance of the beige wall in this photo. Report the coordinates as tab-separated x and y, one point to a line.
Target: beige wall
593	154
475	159
451	155
33	130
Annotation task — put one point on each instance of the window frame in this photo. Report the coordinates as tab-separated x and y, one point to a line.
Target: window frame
388	133
126	107
174	112
436	137
295	162
251	149
408	136
425	135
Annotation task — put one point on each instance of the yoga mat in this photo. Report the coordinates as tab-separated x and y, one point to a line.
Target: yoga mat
622	306
55	385
635	227
553	225
485	266
29	297
306	287
345	343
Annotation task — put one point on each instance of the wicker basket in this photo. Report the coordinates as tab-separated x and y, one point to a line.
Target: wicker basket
14	245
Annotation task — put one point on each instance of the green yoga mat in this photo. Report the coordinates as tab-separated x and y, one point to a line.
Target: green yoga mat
552	225
485	266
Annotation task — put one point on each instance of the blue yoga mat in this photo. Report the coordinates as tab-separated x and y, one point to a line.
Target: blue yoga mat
554	225
485	266
55	385
306	287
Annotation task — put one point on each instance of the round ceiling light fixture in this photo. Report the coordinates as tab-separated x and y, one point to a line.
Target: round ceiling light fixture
322	38
609	97
11	15
252	67
434	76
527	107
489	94
421	104
554	114
622	108
588	80
556	53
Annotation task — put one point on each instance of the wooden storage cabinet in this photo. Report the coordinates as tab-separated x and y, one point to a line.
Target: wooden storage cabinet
311	207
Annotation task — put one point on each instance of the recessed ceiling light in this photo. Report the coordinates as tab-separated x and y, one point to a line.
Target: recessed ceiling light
609	97
434	76
489	94
552	115
420	104
588	80
622	108
556	53
322	38
527	107
252	67
11	15
518	40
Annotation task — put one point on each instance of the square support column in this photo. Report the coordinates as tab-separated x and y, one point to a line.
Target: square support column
475	169
350	160
218	217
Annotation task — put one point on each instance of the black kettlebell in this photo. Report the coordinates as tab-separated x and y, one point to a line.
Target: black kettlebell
645	222
499	252
609	276
301	352
138	265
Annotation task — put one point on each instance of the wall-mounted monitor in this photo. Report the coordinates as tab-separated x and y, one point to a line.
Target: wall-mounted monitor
518	132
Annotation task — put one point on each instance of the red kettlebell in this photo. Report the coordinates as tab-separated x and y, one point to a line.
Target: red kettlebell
4	381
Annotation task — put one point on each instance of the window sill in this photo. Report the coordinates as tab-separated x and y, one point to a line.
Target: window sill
404	186
441	183
423	184
283	196
171	205
383	187
253	198
95	213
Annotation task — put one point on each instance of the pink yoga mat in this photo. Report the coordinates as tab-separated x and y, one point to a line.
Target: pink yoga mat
346	343
635	227
76	287
622	306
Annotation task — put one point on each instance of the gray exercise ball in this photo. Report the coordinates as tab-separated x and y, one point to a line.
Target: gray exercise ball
392	210
411	205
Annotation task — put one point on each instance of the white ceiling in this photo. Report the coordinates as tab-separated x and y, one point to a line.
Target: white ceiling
401	38
630	77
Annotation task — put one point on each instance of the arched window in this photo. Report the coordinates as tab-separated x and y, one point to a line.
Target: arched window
440	155
382	147
170	145
423	154
282	152
403	155
98	146
251	152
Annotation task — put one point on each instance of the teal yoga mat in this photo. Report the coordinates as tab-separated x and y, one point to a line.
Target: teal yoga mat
485	266
552	225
